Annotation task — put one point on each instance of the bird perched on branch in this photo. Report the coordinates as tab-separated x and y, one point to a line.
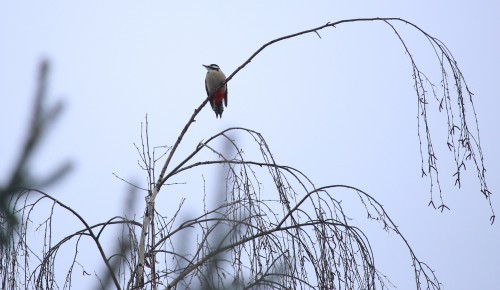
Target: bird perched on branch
213	82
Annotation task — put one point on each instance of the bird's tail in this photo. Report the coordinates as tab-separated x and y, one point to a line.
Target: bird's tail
218	109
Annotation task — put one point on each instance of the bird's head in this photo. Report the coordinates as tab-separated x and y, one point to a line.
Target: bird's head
212	67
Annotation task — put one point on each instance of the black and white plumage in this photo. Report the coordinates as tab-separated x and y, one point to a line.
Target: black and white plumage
213	82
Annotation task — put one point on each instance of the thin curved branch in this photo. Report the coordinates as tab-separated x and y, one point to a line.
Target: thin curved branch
90	231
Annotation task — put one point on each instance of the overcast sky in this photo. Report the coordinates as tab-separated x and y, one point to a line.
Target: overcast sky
341	108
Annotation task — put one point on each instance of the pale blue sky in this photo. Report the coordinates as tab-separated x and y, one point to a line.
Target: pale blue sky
340	108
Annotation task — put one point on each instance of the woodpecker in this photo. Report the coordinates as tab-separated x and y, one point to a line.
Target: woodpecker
213	80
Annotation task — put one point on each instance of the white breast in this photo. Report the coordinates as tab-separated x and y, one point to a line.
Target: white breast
214	79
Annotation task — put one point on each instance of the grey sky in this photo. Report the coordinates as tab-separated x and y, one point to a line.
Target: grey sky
341	108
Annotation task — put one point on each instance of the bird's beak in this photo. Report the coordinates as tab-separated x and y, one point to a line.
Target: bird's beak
206	66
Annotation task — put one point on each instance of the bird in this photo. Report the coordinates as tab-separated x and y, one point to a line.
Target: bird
213	81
